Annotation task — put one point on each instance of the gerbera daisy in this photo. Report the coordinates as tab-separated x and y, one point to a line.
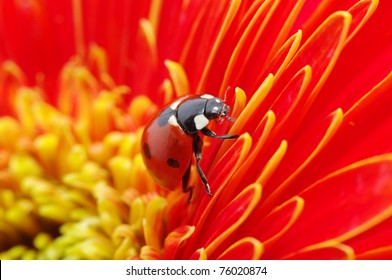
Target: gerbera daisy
310	176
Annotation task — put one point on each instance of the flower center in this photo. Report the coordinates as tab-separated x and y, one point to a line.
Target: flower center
72	181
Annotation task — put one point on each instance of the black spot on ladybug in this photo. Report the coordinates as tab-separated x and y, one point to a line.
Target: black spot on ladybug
146	150
165	116
173	163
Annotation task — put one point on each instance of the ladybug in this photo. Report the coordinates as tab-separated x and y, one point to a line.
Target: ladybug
169	140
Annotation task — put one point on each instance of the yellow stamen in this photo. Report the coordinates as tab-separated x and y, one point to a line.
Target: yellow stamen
153	223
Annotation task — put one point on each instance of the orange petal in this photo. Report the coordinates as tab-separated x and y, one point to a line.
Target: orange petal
240	102
150	253
200	254
251	111
178	77
11	78
149	35
142	110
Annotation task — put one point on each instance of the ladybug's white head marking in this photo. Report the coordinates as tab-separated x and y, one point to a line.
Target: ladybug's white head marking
173	121
207	96
217	100
200	121
174	105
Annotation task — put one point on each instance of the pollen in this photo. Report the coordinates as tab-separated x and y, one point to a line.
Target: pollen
72	179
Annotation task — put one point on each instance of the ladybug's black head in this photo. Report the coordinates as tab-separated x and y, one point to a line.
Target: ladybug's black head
216	108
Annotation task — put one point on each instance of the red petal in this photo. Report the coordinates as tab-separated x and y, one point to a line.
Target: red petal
222	17
269	229
118	37
326	251
232	9
284	56
318	12
200	254
232	217
176	240
231	161
363	134
247	248
212	233
221	173
229	49
261	33
361	12
300	154
178	207
11	79
375	239
38	37
252	109
287	104
290	97
341	206
243	176
361	64
320	52
384	253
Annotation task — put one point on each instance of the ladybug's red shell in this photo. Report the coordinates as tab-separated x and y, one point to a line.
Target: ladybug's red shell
170	140
167	153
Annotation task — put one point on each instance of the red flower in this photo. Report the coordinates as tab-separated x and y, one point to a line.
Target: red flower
309	177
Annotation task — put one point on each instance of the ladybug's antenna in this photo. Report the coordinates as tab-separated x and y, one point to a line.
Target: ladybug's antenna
224	100
227	90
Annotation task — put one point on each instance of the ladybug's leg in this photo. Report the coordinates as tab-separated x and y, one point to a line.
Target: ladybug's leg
197	149
185	181
210	133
